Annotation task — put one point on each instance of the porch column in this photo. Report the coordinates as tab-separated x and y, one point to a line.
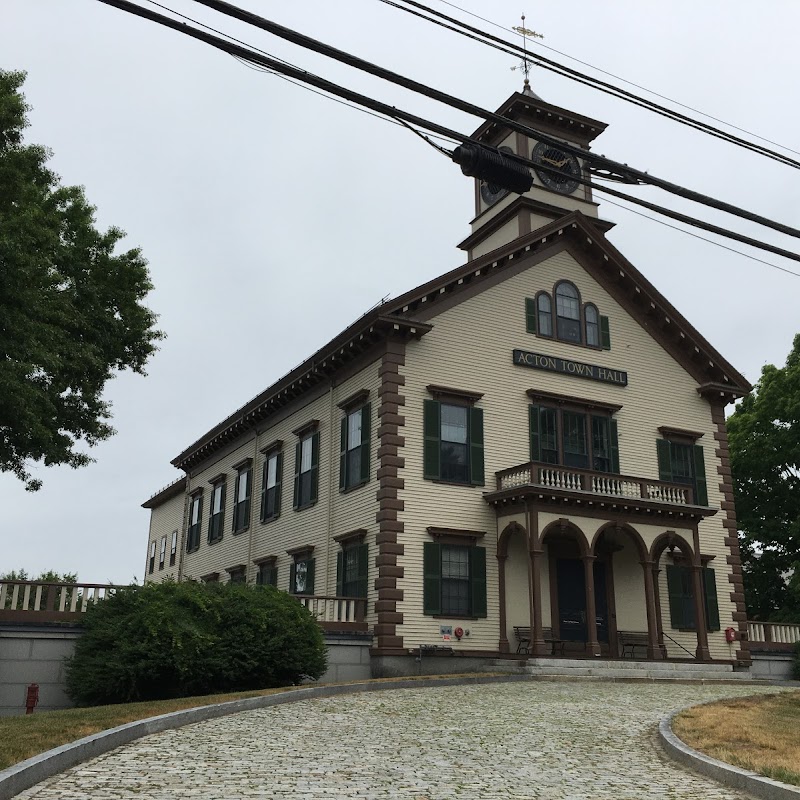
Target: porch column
501	580
653	649
538	645
592	645
659	623
702	652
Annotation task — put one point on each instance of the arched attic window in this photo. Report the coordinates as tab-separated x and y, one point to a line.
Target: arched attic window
568	313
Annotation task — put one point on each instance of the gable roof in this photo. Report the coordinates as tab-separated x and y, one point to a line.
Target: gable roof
407	316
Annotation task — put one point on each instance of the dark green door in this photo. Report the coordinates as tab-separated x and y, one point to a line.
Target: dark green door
601	601
571	599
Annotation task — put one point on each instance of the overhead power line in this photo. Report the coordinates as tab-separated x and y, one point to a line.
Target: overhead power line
598	161
630	83
396	113
503	45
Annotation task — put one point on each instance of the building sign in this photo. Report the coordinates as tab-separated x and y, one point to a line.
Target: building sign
577	368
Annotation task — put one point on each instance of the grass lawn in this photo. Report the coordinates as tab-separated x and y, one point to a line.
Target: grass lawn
759	733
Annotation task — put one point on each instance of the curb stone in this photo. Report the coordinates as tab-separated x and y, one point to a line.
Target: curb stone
757	785
19	777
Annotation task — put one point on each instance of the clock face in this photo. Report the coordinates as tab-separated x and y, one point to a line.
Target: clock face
566	168
490	192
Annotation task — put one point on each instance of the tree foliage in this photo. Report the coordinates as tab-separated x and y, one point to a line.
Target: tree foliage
71	311
172	639
48	576
764	437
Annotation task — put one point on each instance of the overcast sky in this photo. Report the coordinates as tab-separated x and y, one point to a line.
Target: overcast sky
272	217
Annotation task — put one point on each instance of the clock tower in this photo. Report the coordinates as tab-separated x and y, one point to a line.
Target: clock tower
502	216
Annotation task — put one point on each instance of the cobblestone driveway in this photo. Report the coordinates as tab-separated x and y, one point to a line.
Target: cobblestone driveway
557	741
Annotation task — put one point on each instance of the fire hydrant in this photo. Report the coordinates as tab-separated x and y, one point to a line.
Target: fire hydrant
31	698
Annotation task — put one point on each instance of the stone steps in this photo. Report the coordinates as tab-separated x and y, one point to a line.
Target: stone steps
621	670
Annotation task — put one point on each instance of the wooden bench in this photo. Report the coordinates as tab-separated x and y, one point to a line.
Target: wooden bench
630	640
523	636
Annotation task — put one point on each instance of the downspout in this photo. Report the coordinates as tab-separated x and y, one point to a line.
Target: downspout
252	509
182	541
331	454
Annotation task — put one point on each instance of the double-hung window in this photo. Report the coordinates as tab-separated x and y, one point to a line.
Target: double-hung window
241	496
682	461
271	483
216	513
173	548
454	577
162	553
237	574
453	430
354	447
681	597
267	574
195	519
352	568
152	559
568	313
571	435
306	468
301	572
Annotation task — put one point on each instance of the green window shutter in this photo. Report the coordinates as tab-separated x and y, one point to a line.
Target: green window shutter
432	457
340	573
477	580
664	460
298	456
701	490
278	487
475	417
533	426
314	467
605	334
530	315
310	576
292	573
681	606
710	592
614	448
363	569
272	576
366	418
432	578
343	454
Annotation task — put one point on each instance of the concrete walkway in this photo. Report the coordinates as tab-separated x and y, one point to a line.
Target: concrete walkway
559	741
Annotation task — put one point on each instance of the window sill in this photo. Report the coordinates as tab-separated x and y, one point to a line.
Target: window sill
352	488
307	505
193	550
215	541
466	484
241	530
596	347
270	519
455	616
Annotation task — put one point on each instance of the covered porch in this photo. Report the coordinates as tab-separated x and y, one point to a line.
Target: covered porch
593	565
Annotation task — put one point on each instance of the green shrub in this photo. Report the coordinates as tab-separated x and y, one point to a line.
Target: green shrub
180	639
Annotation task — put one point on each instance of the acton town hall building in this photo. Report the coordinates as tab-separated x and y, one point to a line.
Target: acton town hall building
490	462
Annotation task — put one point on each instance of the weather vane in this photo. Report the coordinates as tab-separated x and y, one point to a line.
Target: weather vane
525	64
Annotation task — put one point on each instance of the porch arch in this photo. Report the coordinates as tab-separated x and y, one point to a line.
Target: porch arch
674	540
503	542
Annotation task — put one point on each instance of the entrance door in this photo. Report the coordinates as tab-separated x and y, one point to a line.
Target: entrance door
571	599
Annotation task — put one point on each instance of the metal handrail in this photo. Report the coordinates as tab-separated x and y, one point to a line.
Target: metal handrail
693	655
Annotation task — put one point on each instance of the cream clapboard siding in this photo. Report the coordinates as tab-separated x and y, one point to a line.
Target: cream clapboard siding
164	519
334	513
470	347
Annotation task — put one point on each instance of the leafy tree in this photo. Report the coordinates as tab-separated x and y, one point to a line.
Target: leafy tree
48	576
764	436
181	639
71	310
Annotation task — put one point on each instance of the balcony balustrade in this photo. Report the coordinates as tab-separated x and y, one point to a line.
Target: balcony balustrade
773	635
584	481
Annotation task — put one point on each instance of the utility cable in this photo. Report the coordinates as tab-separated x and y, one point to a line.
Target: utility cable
392	111
546	63
601	162
630	83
